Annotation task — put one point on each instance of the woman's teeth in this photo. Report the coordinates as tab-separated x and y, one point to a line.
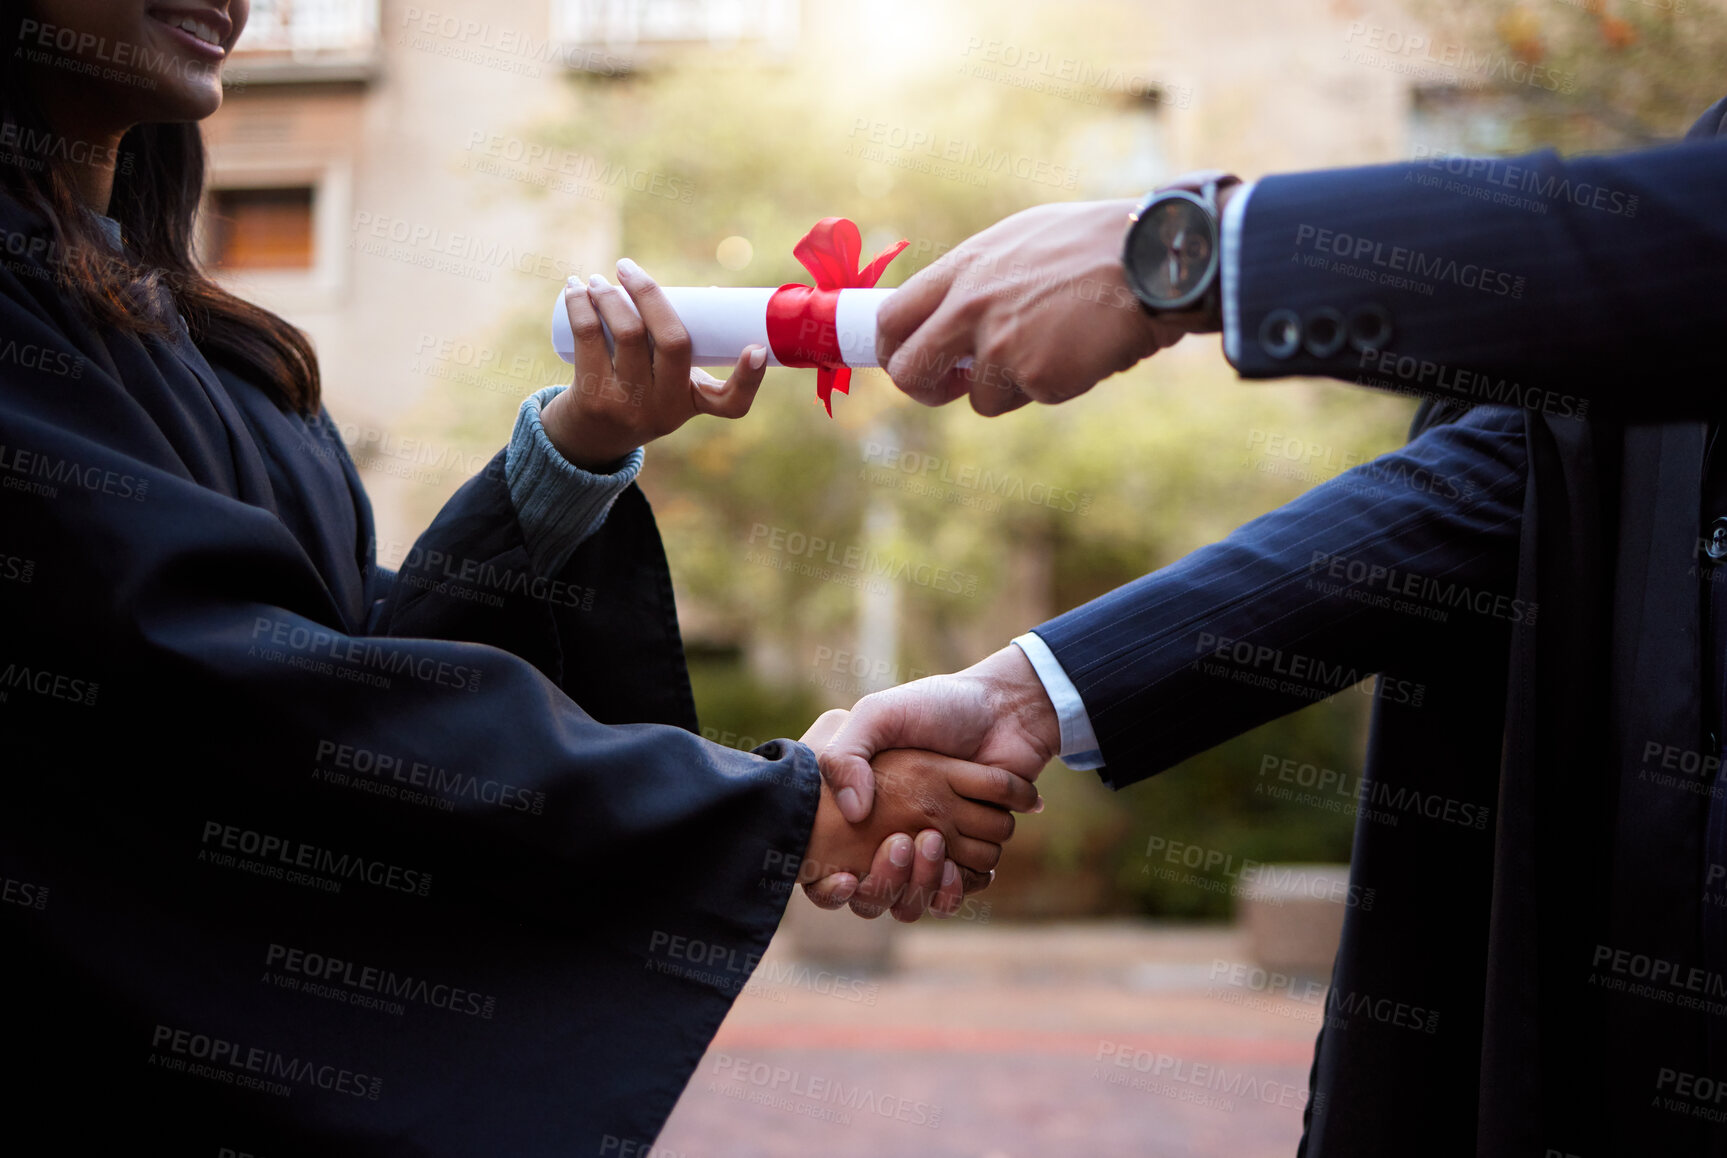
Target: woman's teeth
199	29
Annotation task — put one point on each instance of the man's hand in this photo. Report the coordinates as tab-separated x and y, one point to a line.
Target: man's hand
993	713
1039	301
950	804
917	791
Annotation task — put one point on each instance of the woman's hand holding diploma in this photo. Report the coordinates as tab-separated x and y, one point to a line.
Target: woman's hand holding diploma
647	388
644	386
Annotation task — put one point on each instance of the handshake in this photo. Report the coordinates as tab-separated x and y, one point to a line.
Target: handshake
919	787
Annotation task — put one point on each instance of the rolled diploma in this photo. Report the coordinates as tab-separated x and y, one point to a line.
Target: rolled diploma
722	320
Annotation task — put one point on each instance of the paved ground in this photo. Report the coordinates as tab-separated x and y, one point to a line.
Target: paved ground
1008	1042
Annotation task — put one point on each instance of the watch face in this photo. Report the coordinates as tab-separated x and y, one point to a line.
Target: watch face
1173	252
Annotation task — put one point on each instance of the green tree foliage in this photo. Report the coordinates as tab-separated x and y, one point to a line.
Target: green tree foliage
928	138
1617	73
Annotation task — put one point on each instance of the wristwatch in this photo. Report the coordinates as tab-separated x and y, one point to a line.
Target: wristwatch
1173	245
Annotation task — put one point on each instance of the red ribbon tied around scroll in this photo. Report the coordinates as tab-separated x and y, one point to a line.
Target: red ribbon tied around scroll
802	326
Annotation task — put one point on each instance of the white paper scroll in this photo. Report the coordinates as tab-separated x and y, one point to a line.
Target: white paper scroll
723	320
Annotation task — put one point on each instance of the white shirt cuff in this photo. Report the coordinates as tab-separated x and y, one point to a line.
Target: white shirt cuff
1079	747
1230	260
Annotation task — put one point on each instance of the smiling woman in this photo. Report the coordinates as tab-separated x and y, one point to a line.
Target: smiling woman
299	855
127	84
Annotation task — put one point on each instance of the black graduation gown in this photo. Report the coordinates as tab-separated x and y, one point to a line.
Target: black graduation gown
1534	986
303	857
1566	953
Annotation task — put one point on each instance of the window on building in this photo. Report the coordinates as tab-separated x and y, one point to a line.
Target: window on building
267	228
1119	145
629	22
310	27
1462	121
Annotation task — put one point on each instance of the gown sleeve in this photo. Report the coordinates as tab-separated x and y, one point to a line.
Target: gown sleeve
305	882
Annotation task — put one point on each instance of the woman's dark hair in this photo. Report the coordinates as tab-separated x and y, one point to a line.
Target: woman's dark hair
158	184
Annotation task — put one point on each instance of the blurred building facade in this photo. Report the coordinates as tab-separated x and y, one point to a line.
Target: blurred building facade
369	164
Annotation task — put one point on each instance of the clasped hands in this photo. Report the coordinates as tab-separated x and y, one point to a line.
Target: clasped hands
919	786
919	782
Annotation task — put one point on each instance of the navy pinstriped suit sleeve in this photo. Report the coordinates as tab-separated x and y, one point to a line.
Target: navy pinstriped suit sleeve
1304	602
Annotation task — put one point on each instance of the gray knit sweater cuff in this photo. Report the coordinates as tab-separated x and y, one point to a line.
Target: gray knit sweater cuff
558	504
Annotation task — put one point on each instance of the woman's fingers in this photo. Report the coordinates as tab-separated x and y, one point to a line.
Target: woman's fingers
929	857
993	786
670	341
950	894
593	360
733	397
889	873
831	892
629	336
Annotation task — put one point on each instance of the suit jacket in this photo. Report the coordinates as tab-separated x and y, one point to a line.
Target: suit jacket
306	857
1557	946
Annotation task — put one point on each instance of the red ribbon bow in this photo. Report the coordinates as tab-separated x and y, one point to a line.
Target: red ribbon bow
802	325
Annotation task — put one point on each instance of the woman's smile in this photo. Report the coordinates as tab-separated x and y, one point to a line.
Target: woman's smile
202	31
